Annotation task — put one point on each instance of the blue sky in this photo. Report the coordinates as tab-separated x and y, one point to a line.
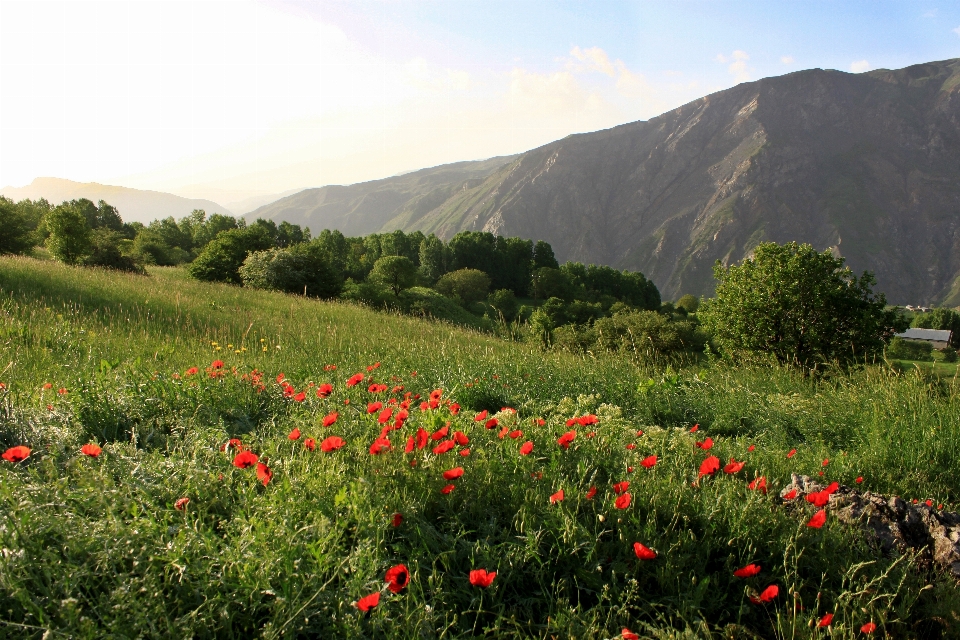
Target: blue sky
228	99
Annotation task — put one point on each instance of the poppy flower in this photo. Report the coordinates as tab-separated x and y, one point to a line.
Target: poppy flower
233	443
443	447
331	444
422	437
620	487
373	407
264	474
622	501
817	498
859	479
330	418
397	578
629	469
480	417
368	602
440	433
526	448
447	489
649	462
245	459
537	475
280	377
461	438
300	397
324	390
832	488
790	495
792	453
294	435
825	620
631	446
539	422
380	445
464	452
928	502
181	504
48	385
767	595
355	380
706	444
557	497
216	364
310	444
694	428
491	423
733	466
385	415
16	454
758	484
643	551
516	433
592	492
565	440
453	474
825	463
748	571
709	466
868	628
410	445
91	450
818	519
751	448
482	578
503	432
626	634
397	519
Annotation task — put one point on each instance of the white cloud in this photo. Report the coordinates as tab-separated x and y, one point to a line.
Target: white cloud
956	31
932	13
593	59
787	59
738	64
859	66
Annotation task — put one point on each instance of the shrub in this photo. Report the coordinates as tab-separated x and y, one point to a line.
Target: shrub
909	350
105	252
688	303
505	302
396	272
295	270
469	285
221	259
69	239
648	333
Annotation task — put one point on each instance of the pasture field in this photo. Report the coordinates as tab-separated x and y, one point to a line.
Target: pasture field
163	534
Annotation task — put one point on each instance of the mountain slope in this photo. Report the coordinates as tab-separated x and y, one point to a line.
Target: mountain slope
366	207
867	165
134	205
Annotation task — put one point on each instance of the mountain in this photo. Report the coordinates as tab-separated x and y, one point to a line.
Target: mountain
369	207
134	205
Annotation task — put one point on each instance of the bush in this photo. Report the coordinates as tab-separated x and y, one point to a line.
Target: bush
505	302
648	333
688	303
910	350
105	252
469	285
69	239
221	259
296	270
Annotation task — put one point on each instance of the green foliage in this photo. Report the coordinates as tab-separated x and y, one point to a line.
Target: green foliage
942	319
467	285
648	335
434	258
152	246
301	269
105	252
220	260
548	282
543	256
688	303
505	303
396	272
597	283
909	350
69	231
799	306
19	230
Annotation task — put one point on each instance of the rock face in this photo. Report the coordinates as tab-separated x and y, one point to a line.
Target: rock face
892	524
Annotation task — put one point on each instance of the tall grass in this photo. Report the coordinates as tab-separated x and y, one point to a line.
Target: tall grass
95	547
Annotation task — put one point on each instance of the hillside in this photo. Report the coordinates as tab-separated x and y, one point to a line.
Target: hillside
134	205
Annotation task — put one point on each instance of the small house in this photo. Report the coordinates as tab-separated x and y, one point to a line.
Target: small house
937	338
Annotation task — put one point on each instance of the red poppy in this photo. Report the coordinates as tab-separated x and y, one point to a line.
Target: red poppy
539	422
380	445
643	551
790	495
768	594
709	466
440	433
706	444
631	446
355	379
48	385
280	377
447	489
192	371
385	415
91	450
733	466
464	452
751	448
928	502
453	474
629	469
233	443
503	432
557	497
331	444
587	420
526	448
397	578
626	634
832	488
310	444
792	453
859	479
537	475
491	423
482	578
245	459
825	463
516	433
694	428
324	390
16	454
622	501
294	435
480	417
649	462
620	487
565	440
330	418
758	484
216	364
592	492
264	474
368	602
818	498
825	620
300	397
422	437
443	447
397	519
868	628
181	504
373	407
748	571
410	445
460	438
818	519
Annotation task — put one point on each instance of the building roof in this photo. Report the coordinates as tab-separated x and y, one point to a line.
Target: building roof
934	335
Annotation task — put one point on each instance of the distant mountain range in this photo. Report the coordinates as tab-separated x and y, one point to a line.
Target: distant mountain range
866	165
134	205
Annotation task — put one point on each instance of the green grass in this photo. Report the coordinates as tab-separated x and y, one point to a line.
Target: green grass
96	548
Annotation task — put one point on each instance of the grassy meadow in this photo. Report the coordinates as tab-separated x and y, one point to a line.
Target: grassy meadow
105	546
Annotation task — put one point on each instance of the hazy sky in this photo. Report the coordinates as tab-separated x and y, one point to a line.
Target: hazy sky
229	99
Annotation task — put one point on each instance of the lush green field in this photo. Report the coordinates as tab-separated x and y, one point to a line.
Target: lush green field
95	547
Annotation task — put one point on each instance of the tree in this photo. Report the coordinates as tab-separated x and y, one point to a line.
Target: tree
943	319
299	269
505	302
105	252
69	239
434	258
551	283
18	231
220	260
688	303
543	256
470	285
396	272
802	307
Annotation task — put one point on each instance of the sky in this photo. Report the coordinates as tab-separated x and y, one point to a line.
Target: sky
233	99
